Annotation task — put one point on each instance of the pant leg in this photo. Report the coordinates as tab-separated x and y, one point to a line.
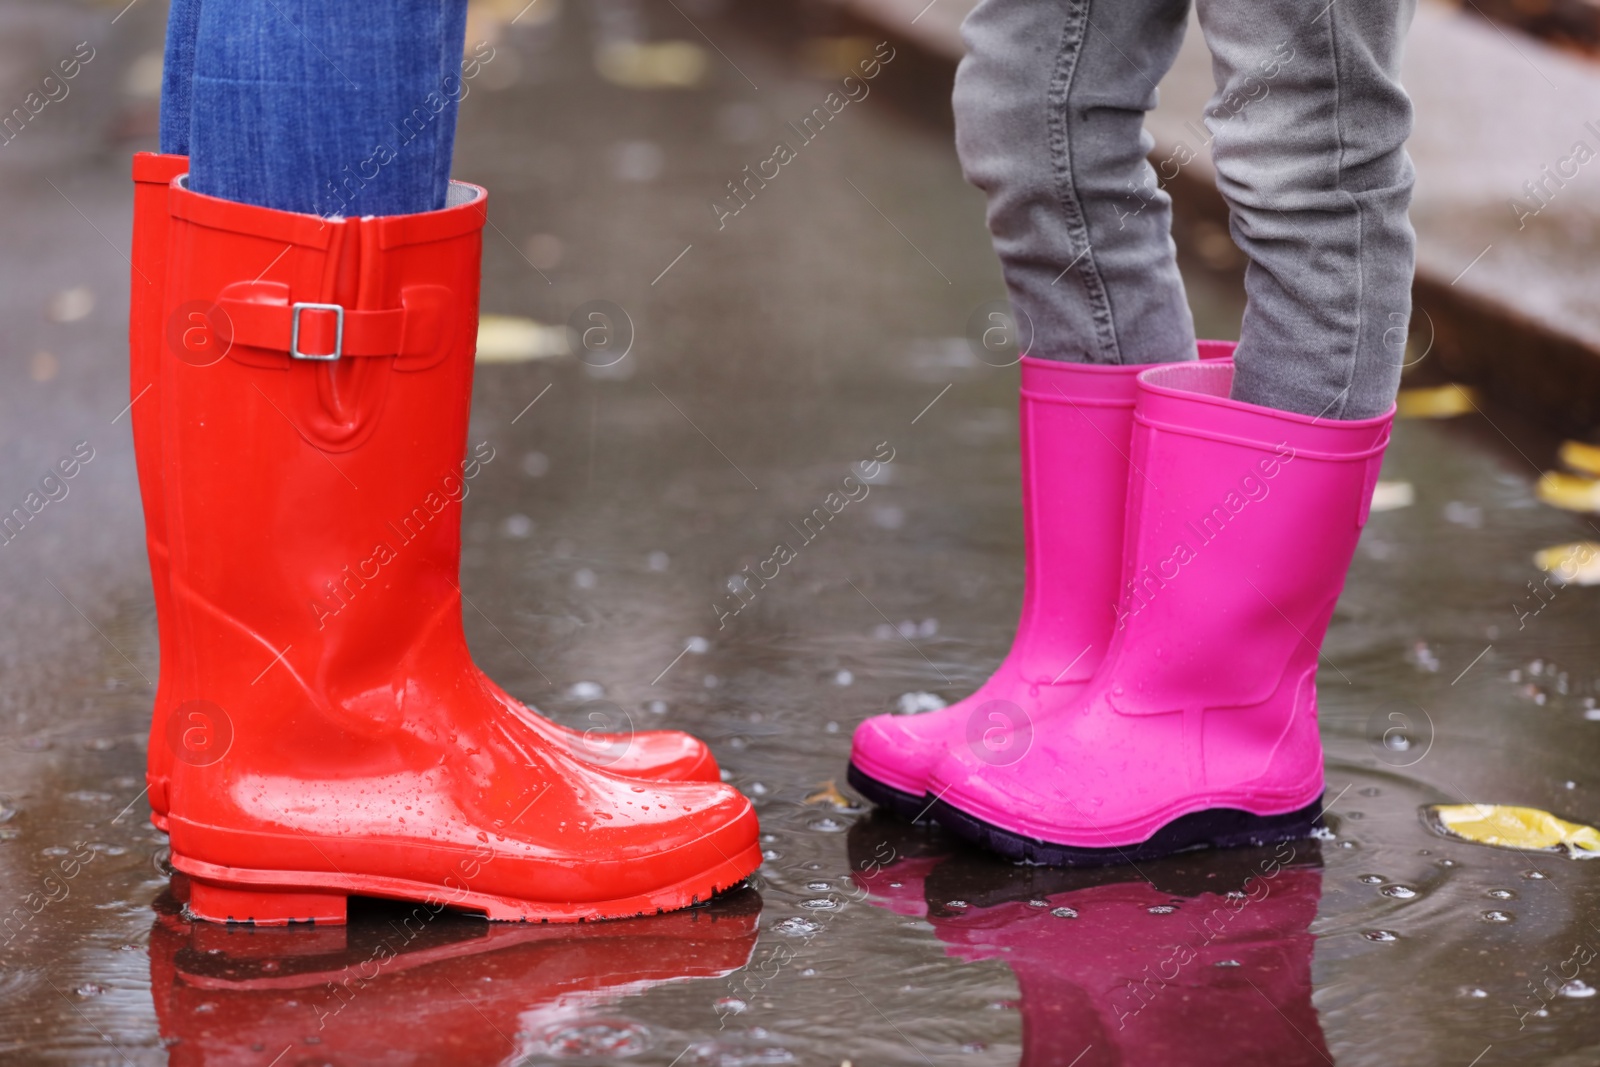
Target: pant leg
1309	127
177	75
318	107
1049	104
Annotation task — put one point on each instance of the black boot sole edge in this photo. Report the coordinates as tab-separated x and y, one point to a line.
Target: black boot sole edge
912	807
1212	828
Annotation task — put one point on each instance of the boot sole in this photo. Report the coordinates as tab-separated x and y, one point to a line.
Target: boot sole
912	807
1211	828
277	898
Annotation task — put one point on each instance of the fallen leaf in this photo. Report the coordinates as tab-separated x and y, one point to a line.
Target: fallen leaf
835	57
1505	826
1574	492
1390	496
513	339
1577	563
1581	457
652	64
143	79
44	366
1438	402
70	305
829	793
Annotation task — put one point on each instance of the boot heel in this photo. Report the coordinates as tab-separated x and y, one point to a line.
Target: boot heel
263	906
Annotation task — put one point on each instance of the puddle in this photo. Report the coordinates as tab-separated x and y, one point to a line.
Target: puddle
764	364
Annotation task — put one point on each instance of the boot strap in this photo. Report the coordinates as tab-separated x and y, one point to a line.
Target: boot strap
260	315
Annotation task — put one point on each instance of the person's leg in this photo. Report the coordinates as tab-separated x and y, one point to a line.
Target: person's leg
177	76
1310	123
1049	104
330	109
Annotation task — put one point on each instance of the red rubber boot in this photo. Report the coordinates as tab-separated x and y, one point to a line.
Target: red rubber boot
359	750
666	755
152	173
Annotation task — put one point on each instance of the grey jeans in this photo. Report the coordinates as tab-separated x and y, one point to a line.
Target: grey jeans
1307	128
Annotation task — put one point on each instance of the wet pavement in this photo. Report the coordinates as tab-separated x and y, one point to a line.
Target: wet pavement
823	324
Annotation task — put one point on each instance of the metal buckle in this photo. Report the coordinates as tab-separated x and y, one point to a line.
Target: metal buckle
338	332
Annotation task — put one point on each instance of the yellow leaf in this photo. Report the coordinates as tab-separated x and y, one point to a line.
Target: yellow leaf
1581	457
1388	496
835	57
513	339
1577	563
1574	492
1440	402
828	793
1505	826
651	65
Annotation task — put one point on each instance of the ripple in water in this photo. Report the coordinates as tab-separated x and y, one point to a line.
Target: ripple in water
1502	894
595	1039
1370	879
1399	892
1064	913
820	904
796	926
735	1053
1497	916
1380	935
1161	909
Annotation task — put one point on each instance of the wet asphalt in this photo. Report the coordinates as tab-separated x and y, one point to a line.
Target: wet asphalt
767	351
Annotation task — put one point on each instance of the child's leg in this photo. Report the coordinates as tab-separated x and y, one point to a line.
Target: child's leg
1309	126
331	109
1049	106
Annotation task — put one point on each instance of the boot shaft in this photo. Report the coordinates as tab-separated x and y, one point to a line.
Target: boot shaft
313	499
1242	522
1075	427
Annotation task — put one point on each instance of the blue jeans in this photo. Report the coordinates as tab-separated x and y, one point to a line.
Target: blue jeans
333	109
1307	131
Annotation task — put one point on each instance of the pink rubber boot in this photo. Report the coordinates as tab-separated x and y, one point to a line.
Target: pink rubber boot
1074	422
1199	727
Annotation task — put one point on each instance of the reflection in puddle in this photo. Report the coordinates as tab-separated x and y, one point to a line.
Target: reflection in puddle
1192	960
445	988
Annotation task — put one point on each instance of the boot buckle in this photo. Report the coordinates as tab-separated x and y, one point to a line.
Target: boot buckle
294	331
